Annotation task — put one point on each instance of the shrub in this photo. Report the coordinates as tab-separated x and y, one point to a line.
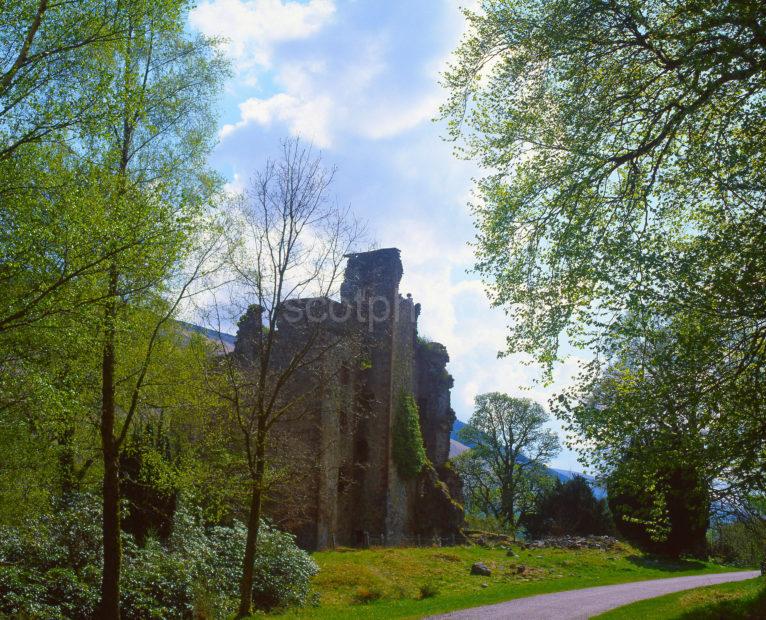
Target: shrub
739	543
52	568
408	451
428	590
283	572
568	509
156	584
282	575
56	594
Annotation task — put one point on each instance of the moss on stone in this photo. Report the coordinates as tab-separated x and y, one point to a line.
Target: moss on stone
408	450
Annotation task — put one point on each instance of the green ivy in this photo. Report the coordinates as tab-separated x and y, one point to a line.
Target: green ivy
408	451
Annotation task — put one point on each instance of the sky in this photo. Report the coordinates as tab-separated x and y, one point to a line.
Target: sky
360	80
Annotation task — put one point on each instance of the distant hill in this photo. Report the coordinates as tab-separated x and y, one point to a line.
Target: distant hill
455	428
219	337
458	447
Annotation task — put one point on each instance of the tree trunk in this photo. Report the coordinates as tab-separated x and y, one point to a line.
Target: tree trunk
253	528
109	607
67	476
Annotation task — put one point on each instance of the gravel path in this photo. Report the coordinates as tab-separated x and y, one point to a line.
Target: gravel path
588	602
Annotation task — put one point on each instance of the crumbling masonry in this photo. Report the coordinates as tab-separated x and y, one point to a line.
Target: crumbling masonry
339	483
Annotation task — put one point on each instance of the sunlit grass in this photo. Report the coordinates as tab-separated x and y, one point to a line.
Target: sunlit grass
389	583
727	601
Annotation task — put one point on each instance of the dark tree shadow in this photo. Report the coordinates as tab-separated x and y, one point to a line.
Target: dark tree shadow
665	564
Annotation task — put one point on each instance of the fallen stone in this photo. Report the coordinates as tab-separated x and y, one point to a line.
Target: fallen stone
479	568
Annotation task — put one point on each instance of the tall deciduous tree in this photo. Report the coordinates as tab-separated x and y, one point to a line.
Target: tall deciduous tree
666	435
613	134
293	243
150	164
55	59
626	177
56	63
504	469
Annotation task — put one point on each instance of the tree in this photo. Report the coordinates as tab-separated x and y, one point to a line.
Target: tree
613	132
660	505
293	246
568	508
503	471
624	193
150	164
56	59
105	124
658	427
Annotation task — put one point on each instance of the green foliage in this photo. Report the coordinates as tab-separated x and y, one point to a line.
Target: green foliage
51	567
503	472
622	212
662	507
740	543
602	162
409	453
570	508
57	593
664	440
155	583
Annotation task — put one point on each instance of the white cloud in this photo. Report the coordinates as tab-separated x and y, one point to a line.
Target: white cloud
357	87
235	186
306	118
252	28
385	121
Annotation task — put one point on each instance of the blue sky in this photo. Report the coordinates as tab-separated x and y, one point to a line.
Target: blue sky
360	79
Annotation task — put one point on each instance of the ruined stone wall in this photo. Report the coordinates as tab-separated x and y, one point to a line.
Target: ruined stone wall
433	385
371	286
338	443
402	384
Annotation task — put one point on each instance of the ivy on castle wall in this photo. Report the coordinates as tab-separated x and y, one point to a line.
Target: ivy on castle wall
408	450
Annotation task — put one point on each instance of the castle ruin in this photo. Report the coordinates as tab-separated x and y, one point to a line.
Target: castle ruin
343	485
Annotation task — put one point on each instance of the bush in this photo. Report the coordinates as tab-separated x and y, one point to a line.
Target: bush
738	543
283	572
428	590
52	568
56	593
568	509
156	584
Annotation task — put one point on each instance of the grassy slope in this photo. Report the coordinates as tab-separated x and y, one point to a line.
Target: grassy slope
728	601
389	580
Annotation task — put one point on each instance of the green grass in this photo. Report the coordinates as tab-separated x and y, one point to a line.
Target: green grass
729	601
412	583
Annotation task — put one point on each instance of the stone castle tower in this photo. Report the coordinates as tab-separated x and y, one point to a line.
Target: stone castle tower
343	483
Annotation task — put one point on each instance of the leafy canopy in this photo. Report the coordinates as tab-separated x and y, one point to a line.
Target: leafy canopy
623	144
